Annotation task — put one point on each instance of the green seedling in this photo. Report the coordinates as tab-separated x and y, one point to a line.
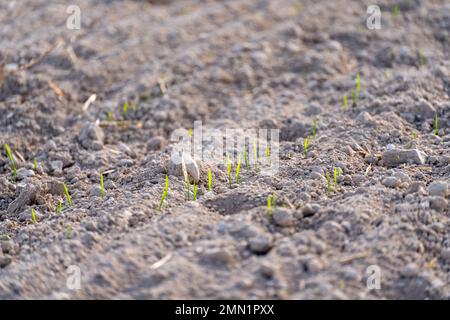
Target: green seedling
229	170
165	191
358	84
314	128
421	58
247	162
125	108
344	107
11	161
209	179
436	124
336	174
353	98
59	207
238	169
102	185
195	191
69	231
414	135
269	207
35	164
271	203
190	132
327	177
109	114
306	145
33	215
66	192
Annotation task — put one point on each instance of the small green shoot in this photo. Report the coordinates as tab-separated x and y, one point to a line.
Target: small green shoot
336	174
11	160
353	98
344	107
238	168
421	58
195	191
190	132
102	185
209	179
436	124
35	164
358	84
229	170
109	114
314	129
165	191
327	177
69	231
306	145
125	108
59	207
66	192
247	162
271	203
414	135
33	216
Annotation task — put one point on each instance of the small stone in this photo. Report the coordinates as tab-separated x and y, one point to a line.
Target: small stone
4	261
424	110
91	136
23	173
156	143
218	257
317	176
192	168
393	158
391	182
26	197
438	203
261	244
177	167
310	209
283	217
56	167
445	254
438	188
8	246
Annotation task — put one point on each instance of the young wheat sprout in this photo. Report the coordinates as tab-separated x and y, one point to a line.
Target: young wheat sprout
110	116
35	164
33	216
436	124
327	176
238	168
195	191
306	145
209	179
247	162
165	191
336	174
66	191
102	185
11	161
344	107
125	108
269	207
421	58
314	129
358	84
59	207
